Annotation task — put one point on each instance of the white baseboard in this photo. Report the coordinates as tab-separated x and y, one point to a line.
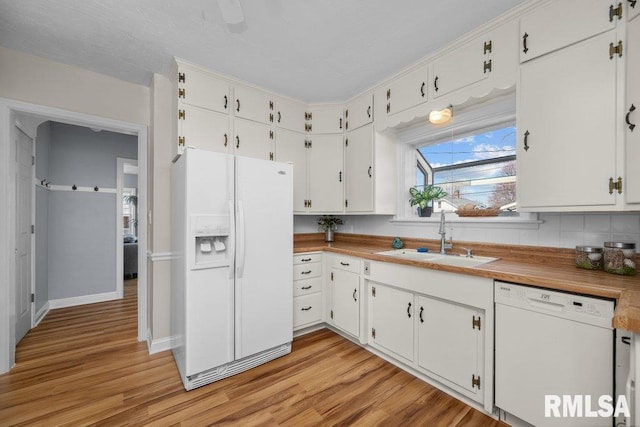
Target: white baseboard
156	346
84	299
41	313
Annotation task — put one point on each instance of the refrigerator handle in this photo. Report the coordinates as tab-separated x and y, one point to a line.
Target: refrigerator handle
240	240
232	241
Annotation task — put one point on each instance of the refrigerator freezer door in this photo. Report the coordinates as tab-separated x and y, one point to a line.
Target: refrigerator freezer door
209	290
264	273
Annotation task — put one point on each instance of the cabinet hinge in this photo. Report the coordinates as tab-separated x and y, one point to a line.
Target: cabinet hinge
270	134
331	314
615	11
182	114
475	381
270	156
307	144
388	94
270	105
332	277
182	78
388	107
487	47
33	297
346	142
308	127
33	229
373	333
182	93
310	202
615	185
615	49
373	291
476	322
346	125
271	117
346	113
487	66
181	141
33	160
346	203
308	116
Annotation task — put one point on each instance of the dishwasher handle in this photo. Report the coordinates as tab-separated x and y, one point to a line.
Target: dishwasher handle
545	305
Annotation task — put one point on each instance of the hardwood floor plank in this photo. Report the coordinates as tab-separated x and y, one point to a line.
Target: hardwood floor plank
83	366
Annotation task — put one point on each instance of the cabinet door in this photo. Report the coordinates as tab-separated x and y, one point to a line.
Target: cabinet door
253	104
392	319
205	129
462	67
203	90
449	345
561	23
567	127
407	91
345	297
326	119
292	147
358	112
290	115
632	114
359	170
326	186
253	139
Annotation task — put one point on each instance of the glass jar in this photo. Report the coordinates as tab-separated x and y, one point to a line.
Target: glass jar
589	257
620	258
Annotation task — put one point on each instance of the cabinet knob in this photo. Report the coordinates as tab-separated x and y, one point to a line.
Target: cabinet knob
631	125
306	308
435	84
237	141
422	89
238	105
226	139
355	291
226	100
306	288
421	311
526	141
409	310
369	171
525	49
369	111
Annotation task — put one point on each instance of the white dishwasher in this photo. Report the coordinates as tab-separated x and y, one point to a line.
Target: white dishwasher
550	343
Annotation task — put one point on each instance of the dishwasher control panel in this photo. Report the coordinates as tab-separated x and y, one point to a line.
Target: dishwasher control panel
583	308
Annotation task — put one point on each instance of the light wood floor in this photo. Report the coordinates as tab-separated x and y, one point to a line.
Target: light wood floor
83	366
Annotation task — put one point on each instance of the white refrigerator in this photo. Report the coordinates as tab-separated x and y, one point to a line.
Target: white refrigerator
231	270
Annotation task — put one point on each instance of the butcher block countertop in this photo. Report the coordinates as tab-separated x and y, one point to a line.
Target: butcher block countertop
552	268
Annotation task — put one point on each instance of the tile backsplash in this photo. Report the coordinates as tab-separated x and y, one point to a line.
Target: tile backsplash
564	230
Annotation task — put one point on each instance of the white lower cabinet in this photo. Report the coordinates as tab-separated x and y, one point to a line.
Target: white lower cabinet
391	320
307	289
345	308
450	343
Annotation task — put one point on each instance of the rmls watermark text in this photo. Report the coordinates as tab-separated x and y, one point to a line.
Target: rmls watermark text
579	406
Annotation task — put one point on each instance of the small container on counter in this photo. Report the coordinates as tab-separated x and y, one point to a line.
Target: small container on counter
589	257
620	258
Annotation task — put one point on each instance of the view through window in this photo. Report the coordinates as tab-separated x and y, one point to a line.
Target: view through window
478	169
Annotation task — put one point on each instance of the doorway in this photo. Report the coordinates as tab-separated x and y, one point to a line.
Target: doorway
9	110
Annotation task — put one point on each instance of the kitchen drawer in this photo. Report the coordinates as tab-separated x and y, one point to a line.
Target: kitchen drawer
307	271
307	258
307	309
305	287
346	263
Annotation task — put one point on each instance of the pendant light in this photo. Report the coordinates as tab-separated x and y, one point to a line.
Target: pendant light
440	117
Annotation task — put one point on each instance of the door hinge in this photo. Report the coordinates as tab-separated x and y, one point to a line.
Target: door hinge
332	276
181	141
373	333
331	314
615	49
182	93
33	297
615	11
487	47
33	229
182	114
373	291
615	185
487	66
476	323
475	381
270	156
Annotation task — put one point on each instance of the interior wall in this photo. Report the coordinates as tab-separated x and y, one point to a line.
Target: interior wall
81	225
43	144
565	230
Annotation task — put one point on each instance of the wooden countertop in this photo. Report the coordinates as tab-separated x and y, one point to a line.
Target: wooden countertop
551	268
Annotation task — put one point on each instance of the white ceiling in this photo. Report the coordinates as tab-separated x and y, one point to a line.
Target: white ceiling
312	50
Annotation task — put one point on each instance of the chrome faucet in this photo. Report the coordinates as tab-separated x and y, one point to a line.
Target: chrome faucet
444	245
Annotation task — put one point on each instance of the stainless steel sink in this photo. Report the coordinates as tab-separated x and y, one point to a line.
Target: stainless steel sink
436	258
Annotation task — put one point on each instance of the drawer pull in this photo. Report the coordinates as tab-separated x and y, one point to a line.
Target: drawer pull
305	259
305	272
346	264
354	295
306	308
306	288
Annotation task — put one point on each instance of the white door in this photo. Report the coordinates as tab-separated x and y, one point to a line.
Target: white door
359	170
24	150
264	244
392	318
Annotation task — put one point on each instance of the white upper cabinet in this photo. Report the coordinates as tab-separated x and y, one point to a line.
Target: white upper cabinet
326	176
567	125
293	147
290	115
359	171
201	89
253	139
204	129
358	112
324	119
466	65
631	114
406	91
253	104
561	23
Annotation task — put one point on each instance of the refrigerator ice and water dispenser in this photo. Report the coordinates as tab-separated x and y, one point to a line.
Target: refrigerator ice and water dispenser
210	235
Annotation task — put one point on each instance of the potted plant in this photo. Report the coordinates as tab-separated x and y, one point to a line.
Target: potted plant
424	198
329	224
